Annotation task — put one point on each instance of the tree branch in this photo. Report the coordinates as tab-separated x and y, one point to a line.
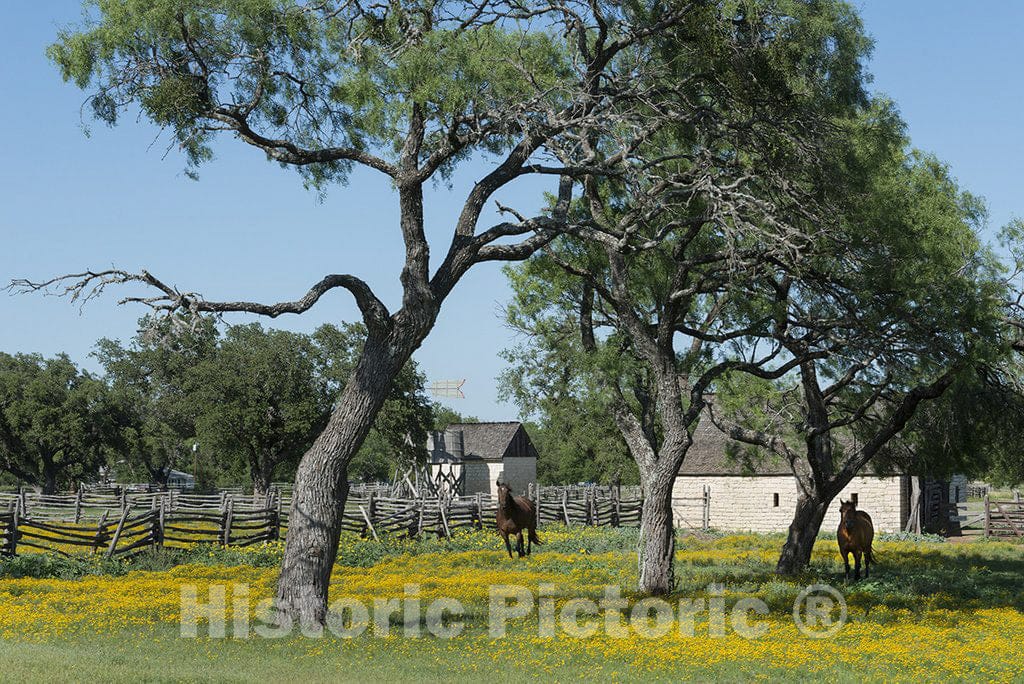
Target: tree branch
91	284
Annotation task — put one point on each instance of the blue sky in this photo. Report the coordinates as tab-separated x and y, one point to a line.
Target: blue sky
248	228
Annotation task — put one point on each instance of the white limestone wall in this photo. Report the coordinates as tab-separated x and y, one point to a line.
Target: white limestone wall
478	477
520	472
482	476
748	503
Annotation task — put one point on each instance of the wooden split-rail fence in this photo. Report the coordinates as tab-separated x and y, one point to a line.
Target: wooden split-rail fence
1004	518
127	522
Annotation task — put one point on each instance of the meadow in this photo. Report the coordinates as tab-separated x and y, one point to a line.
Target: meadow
932	609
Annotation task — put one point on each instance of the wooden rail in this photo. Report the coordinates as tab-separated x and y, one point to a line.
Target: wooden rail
1004	518
128	522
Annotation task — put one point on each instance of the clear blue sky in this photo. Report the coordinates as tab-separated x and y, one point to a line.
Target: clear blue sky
248	228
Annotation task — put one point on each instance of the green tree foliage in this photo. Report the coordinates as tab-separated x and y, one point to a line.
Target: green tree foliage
973	429
573	430
261	401
902	303
263	396
445	416
705	241
252	398
57	423
149	378
328	78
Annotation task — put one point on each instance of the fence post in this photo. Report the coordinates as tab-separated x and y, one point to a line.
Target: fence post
565	505
101	532
422	502
158	531
444	518
706	520
12	540
988	518
540	496
618	507
277	517
479	511
117	532
371	510
226	527
78	505
369	523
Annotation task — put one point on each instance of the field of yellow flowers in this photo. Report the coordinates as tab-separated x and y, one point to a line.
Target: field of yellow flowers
931	610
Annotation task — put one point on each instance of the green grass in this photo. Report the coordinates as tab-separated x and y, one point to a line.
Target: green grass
931	610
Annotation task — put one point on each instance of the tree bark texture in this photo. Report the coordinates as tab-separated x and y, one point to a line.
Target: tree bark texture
803	531
321	485
657	535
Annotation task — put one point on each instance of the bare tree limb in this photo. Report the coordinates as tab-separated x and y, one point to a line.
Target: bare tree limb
91	284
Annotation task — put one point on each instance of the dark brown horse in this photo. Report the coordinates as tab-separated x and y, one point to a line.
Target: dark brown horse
515	514
855	535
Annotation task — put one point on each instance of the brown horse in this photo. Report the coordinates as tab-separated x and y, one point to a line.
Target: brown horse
855	535
515	514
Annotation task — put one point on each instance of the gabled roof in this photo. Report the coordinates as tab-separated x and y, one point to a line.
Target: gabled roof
493	441
713	453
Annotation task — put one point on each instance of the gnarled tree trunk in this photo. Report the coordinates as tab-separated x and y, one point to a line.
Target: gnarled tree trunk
657	534
49	485
321	484
803	531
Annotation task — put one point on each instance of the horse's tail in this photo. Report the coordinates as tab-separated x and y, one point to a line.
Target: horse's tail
534	538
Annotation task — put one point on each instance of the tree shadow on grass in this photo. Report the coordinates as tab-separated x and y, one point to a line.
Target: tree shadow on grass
906	576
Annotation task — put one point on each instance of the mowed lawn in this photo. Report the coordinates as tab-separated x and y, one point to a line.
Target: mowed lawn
932	610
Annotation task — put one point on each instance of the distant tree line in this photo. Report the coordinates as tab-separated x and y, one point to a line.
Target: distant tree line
230	405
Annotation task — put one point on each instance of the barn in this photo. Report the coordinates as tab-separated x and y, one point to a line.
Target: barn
467	458
759	495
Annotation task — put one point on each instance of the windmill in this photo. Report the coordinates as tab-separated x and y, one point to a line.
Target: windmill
450	389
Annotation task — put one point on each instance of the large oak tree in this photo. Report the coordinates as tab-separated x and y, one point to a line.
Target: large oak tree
57	423
905	302
709	242
410	90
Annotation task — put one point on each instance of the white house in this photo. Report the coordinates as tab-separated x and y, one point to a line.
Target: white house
469	457
759	495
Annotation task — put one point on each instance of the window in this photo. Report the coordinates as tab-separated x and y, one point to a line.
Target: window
776	499
956	496
853	498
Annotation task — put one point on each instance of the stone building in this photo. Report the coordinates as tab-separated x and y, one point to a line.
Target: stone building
467	458
759	495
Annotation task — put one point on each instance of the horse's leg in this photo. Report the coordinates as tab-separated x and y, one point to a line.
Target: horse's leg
529	540
867	562
856	565
508	547
520	548
846	562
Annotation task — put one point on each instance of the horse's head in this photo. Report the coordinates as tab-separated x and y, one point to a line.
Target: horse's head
848	514
504	492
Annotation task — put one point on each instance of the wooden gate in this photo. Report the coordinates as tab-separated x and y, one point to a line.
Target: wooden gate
1004	518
